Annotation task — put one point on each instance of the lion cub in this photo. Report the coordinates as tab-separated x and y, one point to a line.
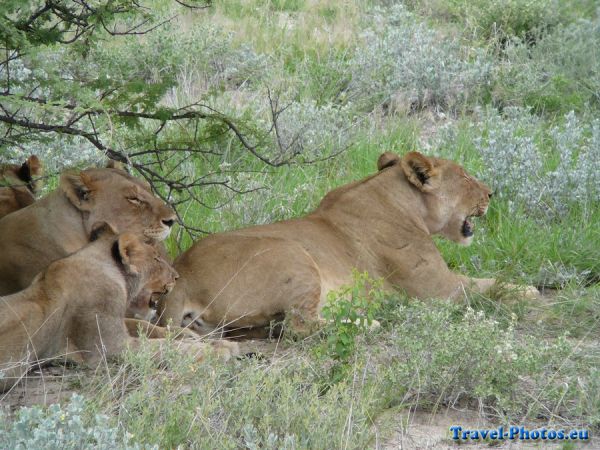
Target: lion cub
76	307
18	185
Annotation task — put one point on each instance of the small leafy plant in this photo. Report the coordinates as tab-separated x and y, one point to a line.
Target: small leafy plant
351	311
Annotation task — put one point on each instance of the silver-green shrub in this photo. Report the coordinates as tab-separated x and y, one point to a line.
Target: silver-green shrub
309	129
513	165
253	440
210	63
402	56
61	428
545	171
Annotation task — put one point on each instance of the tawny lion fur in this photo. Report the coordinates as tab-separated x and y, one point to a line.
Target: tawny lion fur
382	224
60	223
19	183
75	308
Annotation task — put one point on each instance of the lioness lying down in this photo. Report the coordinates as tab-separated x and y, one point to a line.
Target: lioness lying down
381	224
60	223
19	184
75	308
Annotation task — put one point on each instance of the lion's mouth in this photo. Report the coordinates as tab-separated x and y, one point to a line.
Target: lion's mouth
467	227
153	300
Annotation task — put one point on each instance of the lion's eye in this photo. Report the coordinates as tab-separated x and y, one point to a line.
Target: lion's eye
135	200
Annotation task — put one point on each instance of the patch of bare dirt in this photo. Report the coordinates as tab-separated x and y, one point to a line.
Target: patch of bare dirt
45	386
418	430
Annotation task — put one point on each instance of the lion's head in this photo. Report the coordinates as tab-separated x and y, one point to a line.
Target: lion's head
19	183
115	197
27	174
150	274
147	273
451	196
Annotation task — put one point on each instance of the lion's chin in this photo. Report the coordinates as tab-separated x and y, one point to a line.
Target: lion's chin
148	315
158	235
465	241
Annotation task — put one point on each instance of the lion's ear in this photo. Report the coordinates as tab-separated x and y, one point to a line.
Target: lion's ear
101	229
420	171
77	188
387	159
35	166
112	164
128	246
29	169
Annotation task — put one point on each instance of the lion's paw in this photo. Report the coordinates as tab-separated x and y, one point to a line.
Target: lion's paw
183	333
189	347
199	349
528	292
225	349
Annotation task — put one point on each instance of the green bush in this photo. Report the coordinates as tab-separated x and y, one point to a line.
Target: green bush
560	73
350	311
441	353
242	403
506	18
499	20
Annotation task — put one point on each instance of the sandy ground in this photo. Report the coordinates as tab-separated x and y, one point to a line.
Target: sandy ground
419	430
52	384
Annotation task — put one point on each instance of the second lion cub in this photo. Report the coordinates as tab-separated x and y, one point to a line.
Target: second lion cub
76	307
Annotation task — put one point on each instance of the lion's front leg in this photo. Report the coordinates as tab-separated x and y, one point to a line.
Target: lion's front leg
485	285
425	276
466	284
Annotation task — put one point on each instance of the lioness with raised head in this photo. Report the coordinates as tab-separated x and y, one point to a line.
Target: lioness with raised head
19	183
75	308
60	223
382	224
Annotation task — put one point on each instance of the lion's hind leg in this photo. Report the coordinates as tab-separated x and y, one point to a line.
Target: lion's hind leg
193	344
303	311
303	314
199	349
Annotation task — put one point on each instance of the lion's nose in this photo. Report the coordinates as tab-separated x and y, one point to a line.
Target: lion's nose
176	276
169	222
